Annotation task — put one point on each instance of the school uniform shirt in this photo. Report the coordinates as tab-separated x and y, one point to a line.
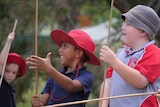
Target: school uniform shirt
7	95
59	95
146	60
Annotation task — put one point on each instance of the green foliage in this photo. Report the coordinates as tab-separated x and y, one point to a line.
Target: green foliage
61	14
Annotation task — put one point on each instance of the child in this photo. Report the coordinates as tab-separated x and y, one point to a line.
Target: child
136	67
73	82
15	67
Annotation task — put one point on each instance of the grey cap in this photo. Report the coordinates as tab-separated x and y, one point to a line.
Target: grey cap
144	18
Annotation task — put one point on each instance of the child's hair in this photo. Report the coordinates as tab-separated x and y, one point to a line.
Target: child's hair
80	40
83	58
144	18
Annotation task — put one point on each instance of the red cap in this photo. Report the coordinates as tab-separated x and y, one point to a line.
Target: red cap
16	58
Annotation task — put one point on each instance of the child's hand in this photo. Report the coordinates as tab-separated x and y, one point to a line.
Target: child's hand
158	95
36	62
11	36
35	100
107	55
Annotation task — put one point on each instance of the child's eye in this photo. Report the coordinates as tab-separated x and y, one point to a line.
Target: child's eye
64	45
6	70
14	73
126	23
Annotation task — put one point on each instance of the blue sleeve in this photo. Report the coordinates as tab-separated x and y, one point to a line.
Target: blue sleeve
86	78
47	87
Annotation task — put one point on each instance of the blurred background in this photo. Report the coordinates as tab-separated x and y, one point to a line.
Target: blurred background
91	16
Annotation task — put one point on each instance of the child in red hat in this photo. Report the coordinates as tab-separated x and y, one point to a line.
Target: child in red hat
73	82
15	67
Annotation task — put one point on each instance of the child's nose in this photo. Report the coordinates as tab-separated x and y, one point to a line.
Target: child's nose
10	74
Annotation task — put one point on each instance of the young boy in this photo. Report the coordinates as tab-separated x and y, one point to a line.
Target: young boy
15	67
136	67
73	82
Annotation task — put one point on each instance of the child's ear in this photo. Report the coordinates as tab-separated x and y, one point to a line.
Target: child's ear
80	53
144	33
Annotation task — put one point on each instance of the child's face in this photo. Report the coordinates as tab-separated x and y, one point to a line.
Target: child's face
130	34
11	71
68	54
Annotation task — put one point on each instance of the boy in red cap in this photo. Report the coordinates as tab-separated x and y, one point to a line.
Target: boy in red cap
73	82
15	67
136	67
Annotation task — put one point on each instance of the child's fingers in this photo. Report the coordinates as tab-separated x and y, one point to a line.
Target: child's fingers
35	100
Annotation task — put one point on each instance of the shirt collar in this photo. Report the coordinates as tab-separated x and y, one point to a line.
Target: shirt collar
129	51
64	69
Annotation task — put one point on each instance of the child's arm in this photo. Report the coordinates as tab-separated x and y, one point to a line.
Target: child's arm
104	92
44	64
130	75
5	49
45	98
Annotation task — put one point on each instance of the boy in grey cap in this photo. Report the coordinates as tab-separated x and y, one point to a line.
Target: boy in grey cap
136	67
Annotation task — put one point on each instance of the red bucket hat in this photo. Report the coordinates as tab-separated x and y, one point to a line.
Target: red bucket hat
16	58
79	39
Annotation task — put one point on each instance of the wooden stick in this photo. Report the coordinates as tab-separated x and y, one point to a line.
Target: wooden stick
98	99
110	22
15	25
5	61
108	40
36	43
